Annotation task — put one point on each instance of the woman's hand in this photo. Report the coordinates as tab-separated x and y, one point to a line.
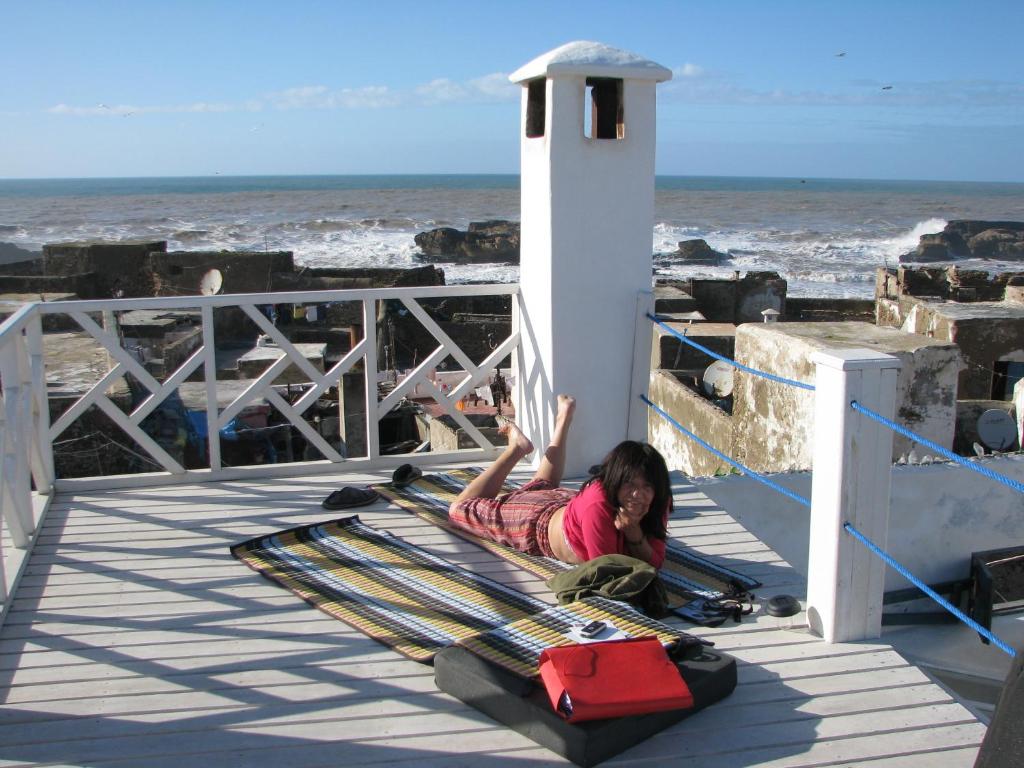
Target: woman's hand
635	540
629	525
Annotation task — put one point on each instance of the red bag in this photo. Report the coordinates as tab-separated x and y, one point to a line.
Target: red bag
610	679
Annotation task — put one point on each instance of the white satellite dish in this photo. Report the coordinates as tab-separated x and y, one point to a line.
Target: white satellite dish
997	429
718	379
211	283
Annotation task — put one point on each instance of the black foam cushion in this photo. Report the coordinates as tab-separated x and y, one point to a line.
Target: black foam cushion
523	705
1003	746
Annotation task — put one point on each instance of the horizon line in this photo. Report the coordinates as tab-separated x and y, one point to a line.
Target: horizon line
485	174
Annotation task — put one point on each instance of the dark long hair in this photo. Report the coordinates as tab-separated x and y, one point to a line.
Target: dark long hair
626	460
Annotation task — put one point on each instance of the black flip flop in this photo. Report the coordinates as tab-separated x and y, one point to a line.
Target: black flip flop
405	475
349	496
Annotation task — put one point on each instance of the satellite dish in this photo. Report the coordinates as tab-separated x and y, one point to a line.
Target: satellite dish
718	379
211	283
997	429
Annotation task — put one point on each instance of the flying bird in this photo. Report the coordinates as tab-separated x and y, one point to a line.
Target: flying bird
840	54
886	87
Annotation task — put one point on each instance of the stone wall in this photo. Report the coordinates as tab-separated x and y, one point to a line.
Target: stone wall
668	351
986	333
804	309
739	300
774	422
947	282
447	435
120	268
175	273
695	413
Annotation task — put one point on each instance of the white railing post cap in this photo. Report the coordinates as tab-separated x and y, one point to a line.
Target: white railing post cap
855	359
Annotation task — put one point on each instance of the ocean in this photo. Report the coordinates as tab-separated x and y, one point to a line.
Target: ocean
825	236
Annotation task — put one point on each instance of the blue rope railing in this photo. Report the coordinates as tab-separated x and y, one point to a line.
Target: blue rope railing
687	340
731	462
973	466
928	590
848	527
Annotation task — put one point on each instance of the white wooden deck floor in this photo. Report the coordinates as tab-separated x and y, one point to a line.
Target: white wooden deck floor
136	640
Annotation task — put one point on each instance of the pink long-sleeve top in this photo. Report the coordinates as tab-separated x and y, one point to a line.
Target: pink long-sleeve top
589	525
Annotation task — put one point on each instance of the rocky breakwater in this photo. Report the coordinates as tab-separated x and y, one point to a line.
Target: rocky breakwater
971	239
695	252
699	252
495	241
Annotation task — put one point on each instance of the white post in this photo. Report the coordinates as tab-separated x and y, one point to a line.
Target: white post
42	453
15	492
370	377
850	484
587	237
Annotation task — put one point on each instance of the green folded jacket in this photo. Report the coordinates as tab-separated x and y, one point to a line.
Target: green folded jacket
617	577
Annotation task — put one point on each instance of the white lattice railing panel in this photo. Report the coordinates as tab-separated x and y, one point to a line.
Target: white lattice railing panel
27	435
150	392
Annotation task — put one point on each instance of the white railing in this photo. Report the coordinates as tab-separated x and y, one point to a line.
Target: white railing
28	436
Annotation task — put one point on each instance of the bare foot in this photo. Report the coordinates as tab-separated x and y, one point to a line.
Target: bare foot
566	408
516	439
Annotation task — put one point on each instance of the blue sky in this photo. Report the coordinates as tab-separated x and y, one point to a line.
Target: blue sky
149	88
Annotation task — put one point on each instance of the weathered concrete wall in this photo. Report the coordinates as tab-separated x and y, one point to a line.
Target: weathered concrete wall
84	286
177	350
671	353
716	299
938	515
773	423
119	267
254	362
447	435
671	297
697	414
986	332
756	292
12	302
805	309
178	272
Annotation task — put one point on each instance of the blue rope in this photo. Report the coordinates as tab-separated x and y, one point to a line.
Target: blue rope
772	377
979	468
749	472
928	590
847	526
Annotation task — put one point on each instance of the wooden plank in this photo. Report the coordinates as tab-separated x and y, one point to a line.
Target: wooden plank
136	640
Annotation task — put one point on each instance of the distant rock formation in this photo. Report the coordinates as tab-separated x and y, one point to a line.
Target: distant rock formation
485	241
699	252
12	254
971	238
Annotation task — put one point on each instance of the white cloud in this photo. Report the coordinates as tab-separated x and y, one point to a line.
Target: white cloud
701	87
688	70
441	90
123	110
369	97
496	85
488	88
300	97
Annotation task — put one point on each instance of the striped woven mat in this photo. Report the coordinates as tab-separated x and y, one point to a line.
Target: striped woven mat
517	646
684	574
390	590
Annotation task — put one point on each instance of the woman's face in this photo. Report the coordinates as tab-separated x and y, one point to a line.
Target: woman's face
635	497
